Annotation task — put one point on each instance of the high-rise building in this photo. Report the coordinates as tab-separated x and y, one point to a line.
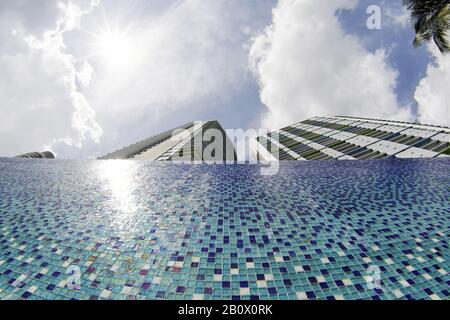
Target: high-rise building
348	138
37	155
195	141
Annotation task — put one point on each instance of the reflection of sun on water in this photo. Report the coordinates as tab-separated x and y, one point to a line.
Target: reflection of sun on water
120	178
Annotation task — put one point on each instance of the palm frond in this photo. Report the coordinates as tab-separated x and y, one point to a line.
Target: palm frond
431	20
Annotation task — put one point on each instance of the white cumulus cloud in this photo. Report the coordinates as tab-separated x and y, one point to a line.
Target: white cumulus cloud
432	93
307	65
41	103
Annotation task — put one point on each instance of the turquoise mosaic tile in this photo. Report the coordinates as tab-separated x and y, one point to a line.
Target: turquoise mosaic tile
142	230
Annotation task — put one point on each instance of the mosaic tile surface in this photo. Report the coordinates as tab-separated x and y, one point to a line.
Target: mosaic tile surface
137	230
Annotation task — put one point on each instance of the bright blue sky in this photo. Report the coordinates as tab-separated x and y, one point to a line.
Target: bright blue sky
114	72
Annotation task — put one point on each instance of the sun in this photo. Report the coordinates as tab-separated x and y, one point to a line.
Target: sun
116	48
113	44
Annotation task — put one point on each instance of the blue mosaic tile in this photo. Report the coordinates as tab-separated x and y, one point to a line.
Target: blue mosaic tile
142	230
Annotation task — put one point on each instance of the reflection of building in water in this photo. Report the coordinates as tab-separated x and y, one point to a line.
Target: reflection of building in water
348	138
37	155
196	141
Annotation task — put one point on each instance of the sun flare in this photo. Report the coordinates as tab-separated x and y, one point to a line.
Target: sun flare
117	48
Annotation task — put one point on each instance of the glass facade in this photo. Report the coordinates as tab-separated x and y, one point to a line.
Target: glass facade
345	138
